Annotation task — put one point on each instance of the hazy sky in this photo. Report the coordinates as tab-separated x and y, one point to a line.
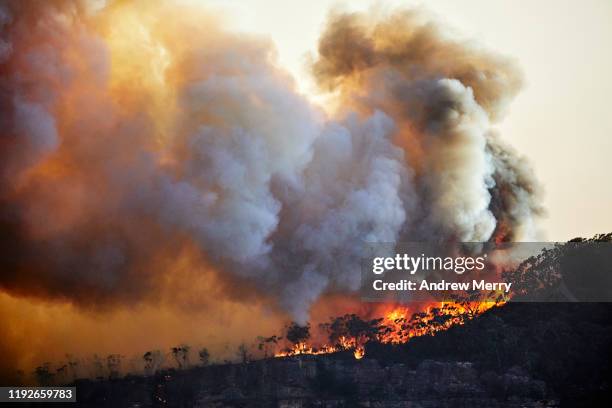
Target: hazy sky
562	120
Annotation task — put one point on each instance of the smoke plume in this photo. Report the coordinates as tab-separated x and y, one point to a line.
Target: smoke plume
137	135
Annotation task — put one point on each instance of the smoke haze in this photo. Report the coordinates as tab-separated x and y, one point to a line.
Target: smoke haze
149	157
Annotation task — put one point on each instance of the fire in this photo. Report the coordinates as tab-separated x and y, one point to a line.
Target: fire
503	233
303	348
398	326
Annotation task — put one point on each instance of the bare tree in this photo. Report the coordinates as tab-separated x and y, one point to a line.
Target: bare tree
62	374
204	356
98	367
113	363
43	374
243	353
72	363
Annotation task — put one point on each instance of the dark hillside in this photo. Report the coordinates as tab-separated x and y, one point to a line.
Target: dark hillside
518	355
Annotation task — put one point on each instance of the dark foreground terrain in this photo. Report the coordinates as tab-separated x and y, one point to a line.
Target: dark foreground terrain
518	355
325	382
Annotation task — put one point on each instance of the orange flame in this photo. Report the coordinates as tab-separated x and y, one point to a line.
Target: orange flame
399	325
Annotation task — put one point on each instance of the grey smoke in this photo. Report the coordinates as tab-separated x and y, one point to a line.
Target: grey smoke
275	193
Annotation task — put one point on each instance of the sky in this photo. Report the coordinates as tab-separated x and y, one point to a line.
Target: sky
562	120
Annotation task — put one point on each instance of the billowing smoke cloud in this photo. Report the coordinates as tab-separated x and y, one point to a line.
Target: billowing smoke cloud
445	96
132	132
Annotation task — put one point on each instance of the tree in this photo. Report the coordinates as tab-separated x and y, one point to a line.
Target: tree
43	374
297	334
152	360
470	301
113	363
243	353
181	355
62	373
72	365
204	356
98	367
351	326
265	343
576	271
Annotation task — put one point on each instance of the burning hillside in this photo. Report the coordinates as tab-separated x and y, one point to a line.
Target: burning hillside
351	333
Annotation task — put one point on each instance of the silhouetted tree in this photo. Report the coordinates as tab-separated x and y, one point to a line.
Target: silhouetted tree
113	363
62	373
181	355
152	360
72	365
265	343
204	356
243	353
98	367
578	270
43	374
351	326
296	333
